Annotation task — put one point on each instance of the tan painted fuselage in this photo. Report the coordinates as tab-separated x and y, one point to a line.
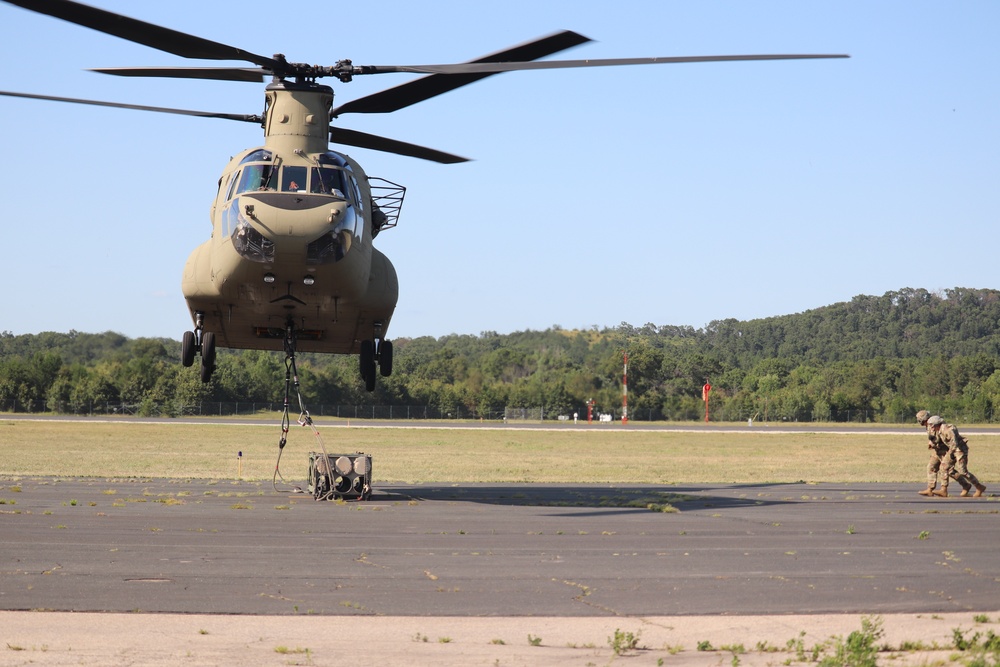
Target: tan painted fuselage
292	230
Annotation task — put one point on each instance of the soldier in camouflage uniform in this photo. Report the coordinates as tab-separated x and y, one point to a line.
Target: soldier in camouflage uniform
946	435
939	457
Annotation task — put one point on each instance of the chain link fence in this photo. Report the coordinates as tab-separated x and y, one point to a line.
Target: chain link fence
429	412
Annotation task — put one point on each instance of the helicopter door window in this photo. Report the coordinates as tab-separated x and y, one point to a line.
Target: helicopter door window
293	179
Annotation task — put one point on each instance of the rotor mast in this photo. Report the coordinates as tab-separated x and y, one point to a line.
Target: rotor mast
297	117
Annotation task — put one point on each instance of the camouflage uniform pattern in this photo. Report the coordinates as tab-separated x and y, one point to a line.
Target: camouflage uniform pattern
939	457
941	460
956	448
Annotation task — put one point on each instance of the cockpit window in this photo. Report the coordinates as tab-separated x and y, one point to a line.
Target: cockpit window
293	179
327	181
330	157
255	177
259	155
232	186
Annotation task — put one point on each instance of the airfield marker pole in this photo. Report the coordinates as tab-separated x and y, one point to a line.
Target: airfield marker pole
704	394
625	390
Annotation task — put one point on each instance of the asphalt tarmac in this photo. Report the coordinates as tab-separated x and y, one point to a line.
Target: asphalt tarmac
507	564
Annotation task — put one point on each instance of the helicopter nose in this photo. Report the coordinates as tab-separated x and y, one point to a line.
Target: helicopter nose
288	215
321	228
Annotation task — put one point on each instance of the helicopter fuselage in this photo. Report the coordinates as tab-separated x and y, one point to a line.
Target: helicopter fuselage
292	230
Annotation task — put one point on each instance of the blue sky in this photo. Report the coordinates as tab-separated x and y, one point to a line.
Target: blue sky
671	194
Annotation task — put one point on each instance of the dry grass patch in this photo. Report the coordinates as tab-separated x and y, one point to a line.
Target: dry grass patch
586	455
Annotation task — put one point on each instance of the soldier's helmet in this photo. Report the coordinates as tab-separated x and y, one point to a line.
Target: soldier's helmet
935	421
922	416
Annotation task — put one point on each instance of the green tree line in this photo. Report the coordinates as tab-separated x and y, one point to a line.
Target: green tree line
874	358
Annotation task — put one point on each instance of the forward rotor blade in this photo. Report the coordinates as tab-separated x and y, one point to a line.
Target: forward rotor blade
248	118
480	68
398	97
251	74
140	32
340	135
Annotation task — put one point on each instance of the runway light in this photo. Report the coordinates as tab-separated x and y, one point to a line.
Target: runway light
269	278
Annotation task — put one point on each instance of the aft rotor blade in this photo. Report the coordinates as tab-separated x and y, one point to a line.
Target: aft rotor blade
248	118
140	32
394	99
480	68
346	137
251	74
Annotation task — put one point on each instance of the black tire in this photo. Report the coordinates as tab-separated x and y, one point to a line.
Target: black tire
366	363
206	372
208	349
385	358
188	349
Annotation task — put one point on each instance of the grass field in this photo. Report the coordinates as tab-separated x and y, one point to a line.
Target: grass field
209	450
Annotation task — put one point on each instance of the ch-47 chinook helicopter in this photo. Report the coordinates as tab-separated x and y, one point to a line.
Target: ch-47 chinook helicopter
290	263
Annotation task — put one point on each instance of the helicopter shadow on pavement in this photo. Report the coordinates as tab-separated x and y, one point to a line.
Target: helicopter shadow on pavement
602	497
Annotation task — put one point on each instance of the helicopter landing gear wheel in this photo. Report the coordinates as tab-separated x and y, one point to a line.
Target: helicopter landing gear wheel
367	364
188	348
207	355
385	358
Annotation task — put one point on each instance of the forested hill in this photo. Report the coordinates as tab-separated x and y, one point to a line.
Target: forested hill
910	323
872	358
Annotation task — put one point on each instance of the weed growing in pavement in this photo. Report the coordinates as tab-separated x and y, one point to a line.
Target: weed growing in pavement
623	642
798	645
990	643
859	649
981	651
284	650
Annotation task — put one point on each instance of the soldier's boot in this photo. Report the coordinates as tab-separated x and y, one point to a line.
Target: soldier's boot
980	490
929	491
942	492
966	487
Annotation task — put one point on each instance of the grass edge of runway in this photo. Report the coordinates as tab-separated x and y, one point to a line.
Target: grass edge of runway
211	451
